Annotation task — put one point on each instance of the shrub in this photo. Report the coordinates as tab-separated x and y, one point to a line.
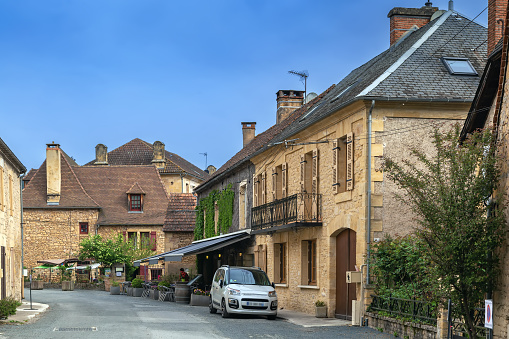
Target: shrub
8	307
319	303
115	283
136	283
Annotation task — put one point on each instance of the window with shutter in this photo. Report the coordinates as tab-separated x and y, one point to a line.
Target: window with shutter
302	172
284	177
349	162
255	190
335	151
153	240
314	170
264	187
274	183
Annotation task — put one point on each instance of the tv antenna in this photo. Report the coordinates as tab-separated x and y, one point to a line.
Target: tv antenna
303	77
205	154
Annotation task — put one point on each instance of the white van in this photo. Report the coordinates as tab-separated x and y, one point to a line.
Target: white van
242	290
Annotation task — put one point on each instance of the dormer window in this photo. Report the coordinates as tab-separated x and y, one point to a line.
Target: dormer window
459	66
135	203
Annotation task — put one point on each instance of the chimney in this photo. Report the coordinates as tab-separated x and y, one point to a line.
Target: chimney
496	21
287	102
248	132
53	174
158	155
406	19
101	155
211	169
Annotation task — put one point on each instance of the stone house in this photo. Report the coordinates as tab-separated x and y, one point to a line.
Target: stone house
11	277
65	203
320	199
490	107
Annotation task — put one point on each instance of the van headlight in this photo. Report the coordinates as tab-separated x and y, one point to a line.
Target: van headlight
272	294
232	291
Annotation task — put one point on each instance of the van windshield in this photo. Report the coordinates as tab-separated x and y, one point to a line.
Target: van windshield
248	277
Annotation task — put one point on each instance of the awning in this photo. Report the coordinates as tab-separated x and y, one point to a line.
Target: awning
84	267
57	261
45	266
197	247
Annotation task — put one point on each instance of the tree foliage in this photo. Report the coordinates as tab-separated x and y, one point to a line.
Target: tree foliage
449	191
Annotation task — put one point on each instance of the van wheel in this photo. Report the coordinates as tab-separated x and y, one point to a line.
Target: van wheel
212	309
224	311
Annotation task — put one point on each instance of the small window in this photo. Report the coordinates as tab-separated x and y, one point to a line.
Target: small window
83	227
459	66
135	202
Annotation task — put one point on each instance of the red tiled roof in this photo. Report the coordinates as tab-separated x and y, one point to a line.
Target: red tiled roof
261	140
181	214
139	152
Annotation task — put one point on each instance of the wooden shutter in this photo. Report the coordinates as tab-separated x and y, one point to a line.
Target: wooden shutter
277	263
125	235
314	186
335	153
349	162
263	189
153	240
302	172
255	190
274	183
283	180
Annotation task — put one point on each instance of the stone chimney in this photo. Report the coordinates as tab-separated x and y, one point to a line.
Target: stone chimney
158	155
53	174
406	19
101	155
287	102
496	21
248	132
211	169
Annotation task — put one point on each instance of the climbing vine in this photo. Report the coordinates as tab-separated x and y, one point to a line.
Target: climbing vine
205	213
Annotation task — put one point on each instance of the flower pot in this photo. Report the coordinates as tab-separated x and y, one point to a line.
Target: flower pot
137	291
67	286
37	284
115	290
321	311
199	300
130	291
154	294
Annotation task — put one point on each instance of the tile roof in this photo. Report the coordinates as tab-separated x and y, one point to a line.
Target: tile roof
139	152
135	189
180	215
11	157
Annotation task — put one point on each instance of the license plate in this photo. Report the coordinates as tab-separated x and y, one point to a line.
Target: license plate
254	303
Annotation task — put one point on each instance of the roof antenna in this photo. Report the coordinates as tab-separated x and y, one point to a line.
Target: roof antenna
303	77
205	154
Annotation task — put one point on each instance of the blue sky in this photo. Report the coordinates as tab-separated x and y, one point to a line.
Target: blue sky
81	73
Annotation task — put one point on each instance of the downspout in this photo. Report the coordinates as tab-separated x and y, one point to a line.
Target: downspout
22	252
368	192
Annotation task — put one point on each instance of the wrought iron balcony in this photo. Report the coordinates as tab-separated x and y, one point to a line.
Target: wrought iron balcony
303	209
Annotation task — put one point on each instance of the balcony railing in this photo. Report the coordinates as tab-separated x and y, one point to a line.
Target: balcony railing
297	208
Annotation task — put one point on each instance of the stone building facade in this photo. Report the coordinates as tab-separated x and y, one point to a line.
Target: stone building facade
11	277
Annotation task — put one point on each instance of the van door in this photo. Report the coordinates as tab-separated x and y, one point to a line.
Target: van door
216	289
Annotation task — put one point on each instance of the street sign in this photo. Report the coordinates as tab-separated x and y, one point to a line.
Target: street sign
488	313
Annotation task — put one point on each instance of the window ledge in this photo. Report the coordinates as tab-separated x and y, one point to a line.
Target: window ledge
135	211
281	285
342	197
310	287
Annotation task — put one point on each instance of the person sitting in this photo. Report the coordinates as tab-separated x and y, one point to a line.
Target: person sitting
183	275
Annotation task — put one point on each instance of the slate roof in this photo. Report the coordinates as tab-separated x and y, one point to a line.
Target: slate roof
139	152
180	215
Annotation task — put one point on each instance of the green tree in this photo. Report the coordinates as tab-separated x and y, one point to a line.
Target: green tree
449	190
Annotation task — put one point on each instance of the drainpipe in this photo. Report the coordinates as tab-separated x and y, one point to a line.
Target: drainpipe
368	193
22	252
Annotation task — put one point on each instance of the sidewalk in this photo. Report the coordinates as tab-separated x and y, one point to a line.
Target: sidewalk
306	320
24	314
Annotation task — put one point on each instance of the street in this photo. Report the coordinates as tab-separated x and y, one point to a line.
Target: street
97	314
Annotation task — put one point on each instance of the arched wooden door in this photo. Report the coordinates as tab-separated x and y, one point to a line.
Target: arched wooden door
345	261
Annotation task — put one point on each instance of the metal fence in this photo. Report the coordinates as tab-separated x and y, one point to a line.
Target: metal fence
300	207
405	309
457	327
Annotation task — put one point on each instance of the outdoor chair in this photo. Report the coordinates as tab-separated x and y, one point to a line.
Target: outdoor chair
146	290
124	286
166	293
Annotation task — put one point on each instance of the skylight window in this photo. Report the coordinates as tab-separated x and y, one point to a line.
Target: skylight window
459	66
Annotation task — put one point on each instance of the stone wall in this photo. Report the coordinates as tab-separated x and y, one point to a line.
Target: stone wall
174	240
399	328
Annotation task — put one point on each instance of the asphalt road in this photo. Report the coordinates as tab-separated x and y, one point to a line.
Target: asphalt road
97	314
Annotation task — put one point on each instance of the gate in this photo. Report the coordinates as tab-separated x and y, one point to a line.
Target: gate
457	329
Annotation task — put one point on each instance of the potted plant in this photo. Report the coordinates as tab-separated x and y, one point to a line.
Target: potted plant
115	288
37	283
320	309
199	298
154	292
137	286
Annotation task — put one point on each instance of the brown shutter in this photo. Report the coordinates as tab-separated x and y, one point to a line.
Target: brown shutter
153	240
255	191
277	263
274	180
263	189
283	180
335	152
349	162
314	186
302	172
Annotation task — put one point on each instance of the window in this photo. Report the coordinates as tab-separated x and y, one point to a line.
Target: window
259	189
309	172
280	263
309	262
83	227
242	204
156	273
459	66
148	240
132	237
342	164
11	200
279	182
135	202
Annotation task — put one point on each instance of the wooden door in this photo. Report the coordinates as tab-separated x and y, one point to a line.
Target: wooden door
345	261
4	285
